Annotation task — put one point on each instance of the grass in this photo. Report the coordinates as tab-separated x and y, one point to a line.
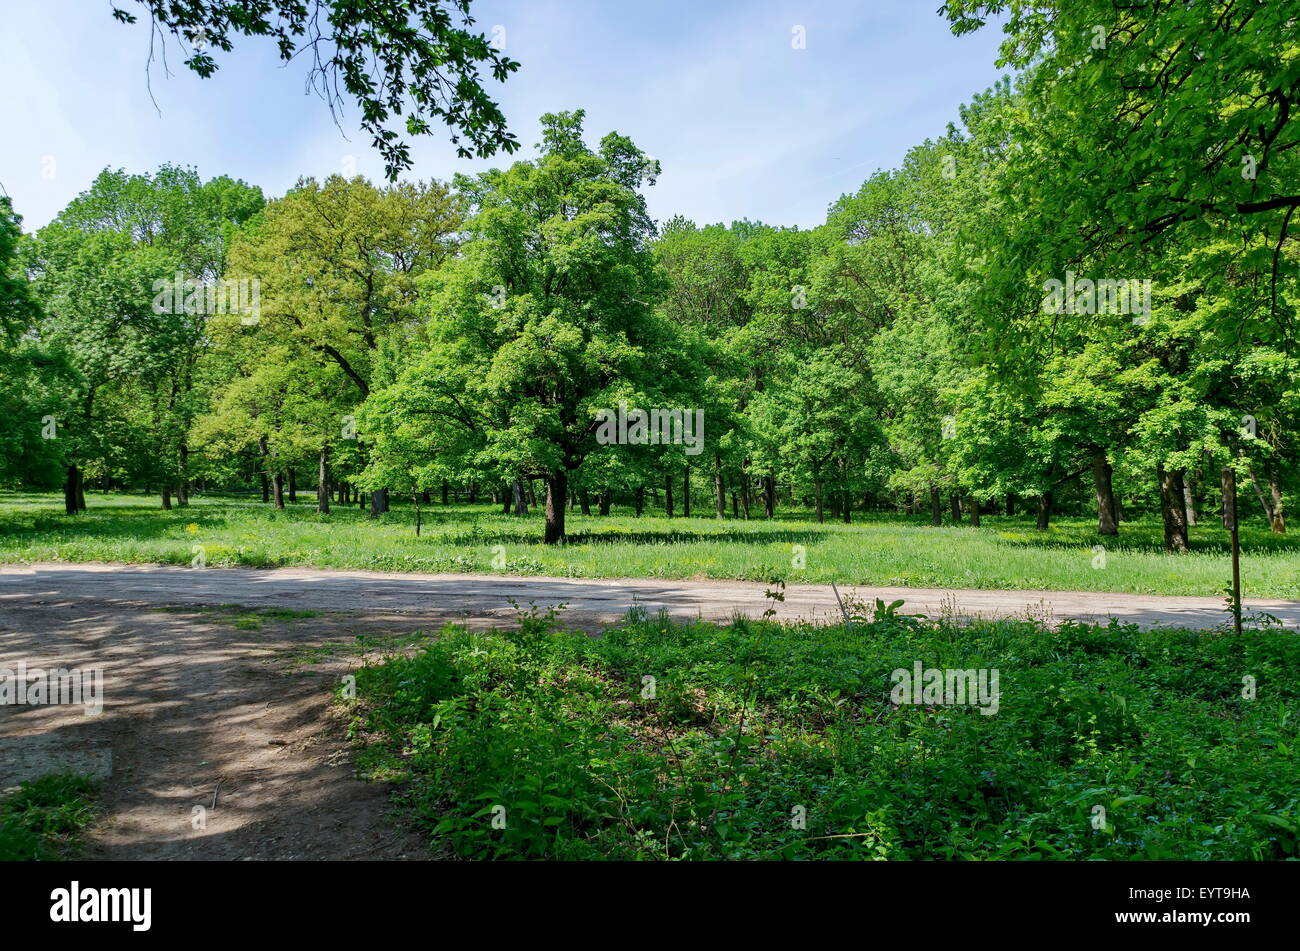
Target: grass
882	549
43	820
766	741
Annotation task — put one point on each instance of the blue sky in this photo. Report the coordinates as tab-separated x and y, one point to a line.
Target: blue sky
744	125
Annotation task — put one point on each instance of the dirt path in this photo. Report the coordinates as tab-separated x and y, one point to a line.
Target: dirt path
590	601
229	710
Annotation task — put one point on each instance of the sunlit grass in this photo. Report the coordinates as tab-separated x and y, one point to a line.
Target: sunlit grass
884	549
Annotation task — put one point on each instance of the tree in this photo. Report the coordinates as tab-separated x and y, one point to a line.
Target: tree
128	275
338	263
394	58
546	318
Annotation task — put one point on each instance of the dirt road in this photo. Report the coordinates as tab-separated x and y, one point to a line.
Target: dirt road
217	738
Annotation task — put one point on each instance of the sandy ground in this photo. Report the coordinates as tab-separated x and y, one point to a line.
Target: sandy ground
199	712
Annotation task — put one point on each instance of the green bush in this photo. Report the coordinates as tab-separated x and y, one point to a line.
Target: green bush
761	740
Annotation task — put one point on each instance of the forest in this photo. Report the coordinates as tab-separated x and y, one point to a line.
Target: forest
1079	299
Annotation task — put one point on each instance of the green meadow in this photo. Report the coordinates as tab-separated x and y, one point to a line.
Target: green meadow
882	549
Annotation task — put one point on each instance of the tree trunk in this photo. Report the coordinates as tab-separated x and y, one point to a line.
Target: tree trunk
506	499
556	489
686	491
606	499
769	494
974	505
1229	504
444	493
936	509
1172	508
744	487
521	500
668	494
473	493
1189	499
277	489
293	485
378	502
639	500
719	490
954	504
323	481
183	486
70	505
1011	503
1105	492
266	459
1044	510
1277	522
585	499
844	490
735	505
167	498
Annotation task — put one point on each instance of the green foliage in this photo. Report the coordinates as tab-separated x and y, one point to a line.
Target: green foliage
745	728
394	57
43	819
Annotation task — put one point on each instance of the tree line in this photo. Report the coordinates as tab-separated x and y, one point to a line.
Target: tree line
1079	298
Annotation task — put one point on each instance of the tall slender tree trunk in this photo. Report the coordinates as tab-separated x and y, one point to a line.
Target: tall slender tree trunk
719	491
735	505
266	461
1276	522
556	490
844	491
668	494
1104	489
973	504
378	502
1044	511
1172	508
686	491
744	487
70	490
769	494
1229	503
505	499
323	481
521	500
167	498
954	504
638	499
183	487
277	489
585	500
936	508
444	492
1189	498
